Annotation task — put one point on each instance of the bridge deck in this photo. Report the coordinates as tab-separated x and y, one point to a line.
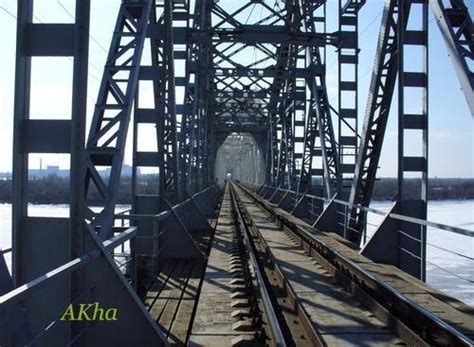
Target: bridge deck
203	303
214	322
450	310
335	314
171	298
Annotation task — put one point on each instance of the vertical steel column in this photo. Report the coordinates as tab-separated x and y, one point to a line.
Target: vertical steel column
286	162
78	125
168	153
20	157
381	92
48	135
280	107
272	162
319	122
30	234
413	132
348	62
190	104
206	103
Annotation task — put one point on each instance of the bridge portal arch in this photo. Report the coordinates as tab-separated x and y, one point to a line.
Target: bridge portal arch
241	156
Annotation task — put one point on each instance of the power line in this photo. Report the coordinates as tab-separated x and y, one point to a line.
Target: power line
365	73
370	24
8	12
90	35
69	58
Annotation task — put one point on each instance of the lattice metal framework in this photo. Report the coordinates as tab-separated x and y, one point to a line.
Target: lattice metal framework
255	67
348	62
108	132
376	116
457	29
413	130
318	120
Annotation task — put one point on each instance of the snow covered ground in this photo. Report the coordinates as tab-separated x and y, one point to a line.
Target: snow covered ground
451	273
448	272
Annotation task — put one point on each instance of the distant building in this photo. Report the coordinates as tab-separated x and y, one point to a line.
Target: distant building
53	170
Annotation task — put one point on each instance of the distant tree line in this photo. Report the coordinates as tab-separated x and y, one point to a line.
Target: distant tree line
55	190
438	188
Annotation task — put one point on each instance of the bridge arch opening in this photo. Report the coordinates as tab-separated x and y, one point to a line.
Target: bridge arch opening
240	158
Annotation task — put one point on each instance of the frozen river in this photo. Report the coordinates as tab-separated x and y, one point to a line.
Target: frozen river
451	273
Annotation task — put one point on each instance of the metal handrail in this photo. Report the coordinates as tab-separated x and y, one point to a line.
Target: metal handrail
20	292
396	216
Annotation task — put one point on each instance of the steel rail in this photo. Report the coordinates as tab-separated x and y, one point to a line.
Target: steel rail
428	326
267	303
297	309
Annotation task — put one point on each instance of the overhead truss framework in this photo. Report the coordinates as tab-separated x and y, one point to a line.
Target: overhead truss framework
256	67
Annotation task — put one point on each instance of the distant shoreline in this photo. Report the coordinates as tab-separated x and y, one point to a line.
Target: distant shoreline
55	190
128	204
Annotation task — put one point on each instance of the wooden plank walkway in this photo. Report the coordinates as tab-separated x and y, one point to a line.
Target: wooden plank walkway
171	299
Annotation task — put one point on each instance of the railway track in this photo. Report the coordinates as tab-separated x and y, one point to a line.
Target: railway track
309	295
234	306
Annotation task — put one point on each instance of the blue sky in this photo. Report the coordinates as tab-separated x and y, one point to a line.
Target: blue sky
451	125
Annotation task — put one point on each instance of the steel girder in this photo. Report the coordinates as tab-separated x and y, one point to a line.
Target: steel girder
389	64
106	142
457	29
456	32
348	62
166	102
191	106
283	99
376	117
413	124
318	121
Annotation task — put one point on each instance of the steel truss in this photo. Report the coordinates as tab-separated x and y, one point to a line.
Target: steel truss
376	116
457	29
107	137
394	37
318	120
163	116
266	97
348	62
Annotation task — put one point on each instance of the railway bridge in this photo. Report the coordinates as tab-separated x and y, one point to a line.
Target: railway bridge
255	228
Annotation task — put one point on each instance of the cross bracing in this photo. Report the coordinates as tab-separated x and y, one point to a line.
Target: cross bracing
238	88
